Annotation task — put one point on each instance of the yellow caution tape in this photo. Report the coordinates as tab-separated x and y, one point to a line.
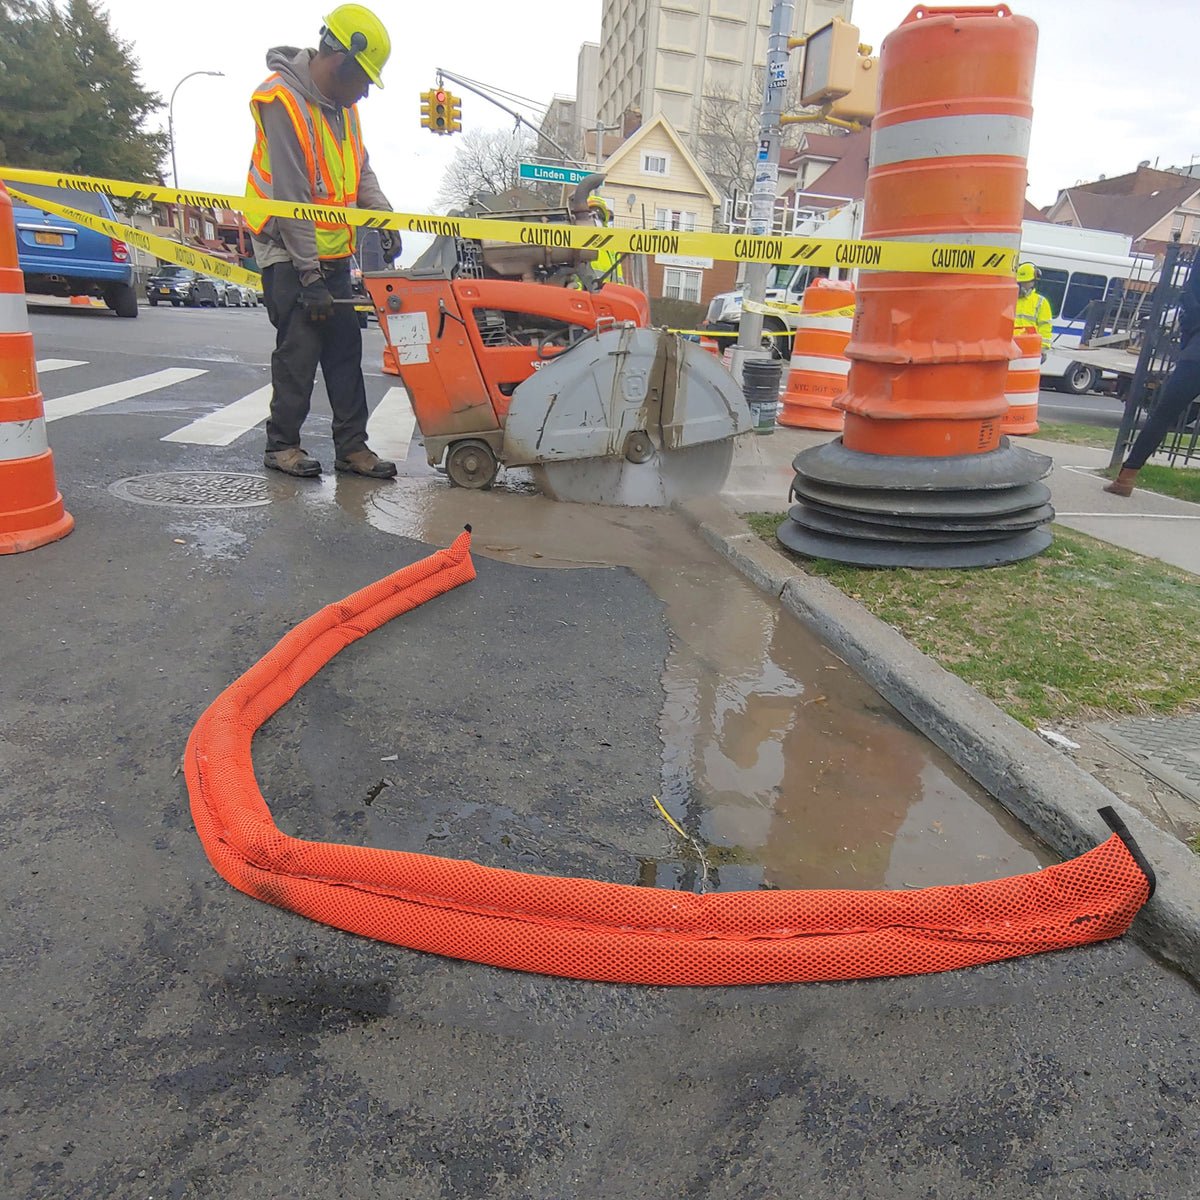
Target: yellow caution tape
770	307
819	252
150	242
727	333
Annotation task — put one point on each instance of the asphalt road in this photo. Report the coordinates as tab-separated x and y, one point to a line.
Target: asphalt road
165	1036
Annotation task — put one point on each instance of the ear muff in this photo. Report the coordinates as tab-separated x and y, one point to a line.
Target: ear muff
349	68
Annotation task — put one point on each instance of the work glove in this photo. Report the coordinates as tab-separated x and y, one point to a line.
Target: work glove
316	301
389	243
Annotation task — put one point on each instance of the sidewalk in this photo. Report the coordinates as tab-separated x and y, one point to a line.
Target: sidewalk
1148	769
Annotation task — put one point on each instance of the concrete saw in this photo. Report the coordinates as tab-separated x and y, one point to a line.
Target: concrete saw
630	416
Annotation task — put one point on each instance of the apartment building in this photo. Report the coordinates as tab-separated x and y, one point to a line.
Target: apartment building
669	55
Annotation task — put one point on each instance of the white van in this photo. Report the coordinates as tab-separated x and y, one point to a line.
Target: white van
1075	267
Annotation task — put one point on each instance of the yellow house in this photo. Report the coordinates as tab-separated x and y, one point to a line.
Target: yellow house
653	181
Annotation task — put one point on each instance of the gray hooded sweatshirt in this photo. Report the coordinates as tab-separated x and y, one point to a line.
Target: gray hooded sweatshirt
283	239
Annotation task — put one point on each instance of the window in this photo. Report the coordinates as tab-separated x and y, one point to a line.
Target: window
1081	291
1177	222
680	284
666	218
1052	283
654	163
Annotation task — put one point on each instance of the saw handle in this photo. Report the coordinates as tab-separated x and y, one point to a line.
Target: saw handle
443	313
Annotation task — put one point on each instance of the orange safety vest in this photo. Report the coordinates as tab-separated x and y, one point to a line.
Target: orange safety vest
334	166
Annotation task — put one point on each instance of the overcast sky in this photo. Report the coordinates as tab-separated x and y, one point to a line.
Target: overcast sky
1116	79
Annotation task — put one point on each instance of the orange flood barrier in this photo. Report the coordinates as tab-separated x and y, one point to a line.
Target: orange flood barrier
583	929
31	508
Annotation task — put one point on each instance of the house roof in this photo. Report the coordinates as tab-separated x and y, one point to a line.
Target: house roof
1133	215
635	139
848	176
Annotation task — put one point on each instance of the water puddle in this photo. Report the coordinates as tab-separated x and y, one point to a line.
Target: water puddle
780	765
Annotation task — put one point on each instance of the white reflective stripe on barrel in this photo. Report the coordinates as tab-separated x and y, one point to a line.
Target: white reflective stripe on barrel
972	134
822	366
958	237
14	317
1026	364
837	324
23	439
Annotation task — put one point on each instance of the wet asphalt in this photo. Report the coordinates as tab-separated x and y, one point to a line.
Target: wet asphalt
165	1036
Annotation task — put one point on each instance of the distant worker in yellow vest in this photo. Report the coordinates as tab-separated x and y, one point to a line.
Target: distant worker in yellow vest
1033	309
607	262
308	147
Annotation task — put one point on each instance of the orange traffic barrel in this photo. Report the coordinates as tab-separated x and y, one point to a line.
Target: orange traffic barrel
930	352
819	366
1024	381
31	509
710	344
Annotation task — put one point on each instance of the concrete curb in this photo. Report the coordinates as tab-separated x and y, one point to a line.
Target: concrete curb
1052	796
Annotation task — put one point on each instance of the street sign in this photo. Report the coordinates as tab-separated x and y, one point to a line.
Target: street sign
551	174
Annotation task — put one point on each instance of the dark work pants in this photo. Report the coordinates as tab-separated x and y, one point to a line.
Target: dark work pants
300	345
1180	388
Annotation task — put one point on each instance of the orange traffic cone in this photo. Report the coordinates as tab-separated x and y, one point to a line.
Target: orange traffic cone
819	366
1024	380
31	509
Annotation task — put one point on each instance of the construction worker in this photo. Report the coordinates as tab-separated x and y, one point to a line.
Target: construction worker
1033	309
607	263
308	147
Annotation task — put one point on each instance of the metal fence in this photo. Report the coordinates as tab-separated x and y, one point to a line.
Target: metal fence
1157	323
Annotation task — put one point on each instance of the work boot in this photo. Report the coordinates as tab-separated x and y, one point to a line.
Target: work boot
292	461
1123	484
366	462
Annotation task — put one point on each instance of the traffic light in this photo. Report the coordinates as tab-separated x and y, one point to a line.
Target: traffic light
441	111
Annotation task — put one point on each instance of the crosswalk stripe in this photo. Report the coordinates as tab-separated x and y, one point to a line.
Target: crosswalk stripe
227	424
45	365
110	393
390	427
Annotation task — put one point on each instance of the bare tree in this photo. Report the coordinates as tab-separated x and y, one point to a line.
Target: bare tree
727	137
487	163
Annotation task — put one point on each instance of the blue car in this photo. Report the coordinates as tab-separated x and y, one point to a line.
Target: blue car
60	258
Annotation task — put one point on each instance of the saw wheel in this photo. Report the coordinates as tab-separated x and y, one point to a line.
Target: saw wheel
471	463
665	478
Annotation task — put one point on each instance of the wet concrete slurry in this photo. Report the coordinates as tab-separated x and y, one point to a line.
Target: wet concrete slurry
782	766
165	1036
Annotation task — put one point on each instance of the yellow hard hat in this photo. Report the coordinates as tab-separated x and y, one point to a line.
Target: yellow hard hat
600	203
362	33
1026	273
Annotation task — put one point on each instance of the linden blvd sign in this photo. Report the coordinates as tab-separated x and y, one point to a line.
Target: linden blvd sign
551	174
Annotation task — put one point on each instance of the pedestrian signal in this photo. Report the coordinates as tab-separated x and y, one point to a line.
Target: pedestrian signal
830	62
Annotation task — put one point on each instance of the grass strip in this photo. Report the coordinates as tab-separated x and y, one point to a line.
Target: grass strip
1084	631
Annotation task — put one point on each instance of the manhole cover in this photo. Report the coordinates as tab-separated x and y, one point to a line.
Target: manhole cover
195	489
1167	747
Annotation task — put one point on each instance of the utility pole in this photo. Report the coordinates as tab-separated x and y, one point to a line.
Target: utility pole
600	129
766	171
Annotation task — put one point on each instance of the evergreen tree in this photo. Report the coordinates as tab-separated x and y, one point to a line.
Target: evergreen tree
70	99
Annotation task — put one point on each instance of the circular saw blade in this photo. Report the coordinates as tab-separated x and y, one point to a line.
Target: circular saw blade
671	475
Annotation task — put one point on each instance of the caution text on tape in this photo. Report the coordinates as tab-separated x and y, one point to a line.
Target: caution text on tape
821	252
